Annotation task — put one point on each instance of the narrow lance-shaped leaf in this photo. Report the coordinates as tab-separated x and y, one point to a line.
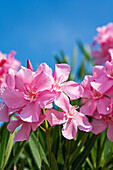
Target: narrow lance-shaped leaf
63	57
74	58
53	162
35	150
4	137
8	150
82	69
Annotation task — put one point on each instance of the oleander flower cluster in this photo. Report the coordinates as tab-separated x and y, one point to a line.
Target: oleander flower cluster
27	92
104	40
97	101
29	96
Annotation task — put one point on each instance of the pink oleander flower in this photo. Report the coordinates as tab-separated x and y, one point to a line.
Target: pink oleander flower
70	118
26	92
101	122
104	81
24	132
7	62
93	99
105	40
61	74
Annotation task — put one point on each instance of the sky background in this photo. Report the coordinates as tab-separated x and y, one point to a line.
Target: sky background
37	29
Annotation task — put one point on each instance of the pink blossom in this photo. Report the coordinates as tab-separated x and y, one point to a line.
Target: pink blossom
105	40
100	57
71	88
61	74
105	36
105	81
5	64
70	118
27	92
101	122
93	99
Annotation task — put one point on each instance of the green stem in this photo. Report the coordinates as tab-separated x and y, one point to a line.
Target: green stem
46	124
48	138
48	145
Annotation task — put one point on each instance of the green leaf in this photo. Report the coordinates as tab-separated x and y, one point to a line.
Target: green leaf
33	143
42	153
3	142
60	158
80	160
82	69
57	59
16	155
54	165
84	51
37	150
22	165
45	166
8	150
74	58
63	57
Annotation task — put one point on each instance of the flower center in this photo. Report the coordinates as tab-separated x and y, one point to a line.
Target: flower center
57	87
96	94
71	112
32	95
108	118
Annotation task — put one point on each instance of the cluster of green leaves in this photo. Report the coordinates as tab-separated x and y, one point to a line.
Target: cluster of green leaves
49	150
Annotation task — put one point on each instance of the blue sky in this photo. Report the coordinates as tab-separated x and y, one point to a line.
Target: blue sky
36	29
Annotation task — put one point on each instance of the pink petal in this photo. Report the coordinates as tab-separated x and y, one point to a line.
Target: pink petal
44	67
86	82
111	53
61	70
46	97
96	115
98	126
49	106
13	125
69	129
101	86
10	78
98	71
110	131
23	76
36	124
109	92
83	122
13	98
42	82
55	117
62	101
23	133
4	116
11	54
89	108
31	112
12	62
73	89
104	108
